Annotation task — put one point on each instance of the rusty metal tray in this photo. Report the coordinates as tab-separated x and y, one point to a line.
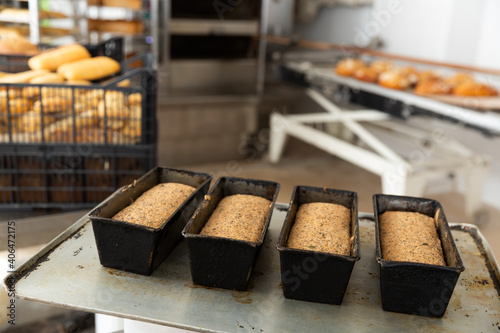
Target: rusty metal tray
67	273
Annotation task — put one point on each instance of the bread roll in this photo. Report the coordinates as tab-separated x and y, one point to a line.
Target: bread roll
52	59
114	105
427	75
471	88
53	104
48	78
458	78
349	66
393	80
89	69
323	227
23	77
366	74
436	86
380	66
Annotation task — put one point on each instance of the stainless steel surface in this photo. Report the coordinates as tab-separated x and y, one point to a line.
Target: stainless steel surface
213	76
325	75
67	273
216	27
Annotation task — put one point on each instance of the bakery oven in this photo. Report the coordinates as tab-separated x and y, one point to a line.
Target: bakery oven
210	48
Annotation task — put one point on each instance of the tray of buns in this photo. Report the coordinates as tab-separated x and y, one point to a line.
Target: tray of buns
67	273
454	97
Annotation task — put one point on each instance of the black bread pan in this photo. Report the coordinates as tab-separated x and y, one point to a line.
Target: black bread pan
415	288
222	262
310	275
136	248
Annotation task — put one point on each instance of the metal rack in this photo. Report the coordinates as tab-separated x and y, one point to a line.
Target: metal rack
146	41
67	273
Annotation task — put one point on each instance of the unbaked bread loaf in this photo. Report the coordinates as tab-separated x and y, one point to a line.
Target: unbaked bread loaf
89	69
156	205
410	236
323	227
239	216
52	59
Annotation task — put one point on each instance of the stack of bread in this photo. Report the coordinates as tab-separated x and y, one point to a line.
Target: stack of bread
388	75
91	115
12	42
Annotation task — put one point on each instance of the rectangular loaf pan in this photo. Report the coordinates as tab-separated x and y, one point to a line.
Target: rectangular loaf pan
223	262
315	276
414	288
137	248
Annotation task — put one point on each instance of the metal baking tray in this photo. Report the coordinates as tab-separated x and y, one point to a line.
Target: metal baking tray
67	273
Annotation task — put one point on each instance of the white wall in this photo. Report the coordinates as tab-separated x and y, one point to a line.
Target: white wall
488	45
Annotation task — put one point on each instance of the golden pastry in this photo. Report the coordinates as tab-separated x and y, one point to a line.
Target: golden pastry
393	80
347	67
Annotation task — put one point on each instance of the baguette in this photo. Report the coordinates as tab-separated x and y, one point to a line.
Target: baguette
52	59
23	77
89	69
47	79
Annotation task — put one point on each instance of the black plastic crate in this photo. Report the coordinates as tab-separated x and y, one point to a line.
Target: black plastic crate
112	48
68	176
105	114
